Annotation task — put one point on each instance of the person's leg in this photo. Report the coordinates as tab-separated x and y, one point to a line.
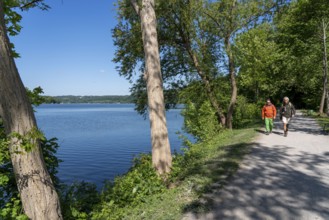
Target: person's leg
267	125
271	124
285	121
287	126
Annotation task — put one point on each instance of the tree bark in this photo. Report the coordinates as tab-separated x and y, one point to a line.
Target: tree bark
161	154
327	95
234	88
325	70
231	67
38	195
325	62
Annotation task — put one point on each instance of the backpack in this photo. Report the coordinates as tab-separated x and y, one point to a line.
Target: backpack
286	110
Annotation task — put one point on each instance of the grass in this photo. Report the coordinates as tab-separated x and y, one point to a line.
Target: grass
217	160
322	119
324	123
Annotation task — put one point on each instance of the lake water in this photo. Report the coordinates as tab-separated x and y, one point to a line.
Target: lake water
98	141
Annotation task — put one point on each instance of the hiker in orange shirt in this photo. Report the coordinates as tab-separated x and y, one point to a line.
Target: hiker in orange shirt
268	114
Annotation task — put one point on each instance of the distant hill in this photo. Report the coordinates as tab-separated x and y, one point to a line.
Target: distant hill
90	99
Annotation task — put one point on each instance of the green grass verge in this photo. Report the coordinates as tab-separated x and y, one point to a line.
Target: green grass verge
211	165
324	123
322	119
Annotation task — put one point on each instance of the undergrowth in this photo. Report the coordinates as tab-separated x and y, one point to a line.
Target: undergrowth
141	194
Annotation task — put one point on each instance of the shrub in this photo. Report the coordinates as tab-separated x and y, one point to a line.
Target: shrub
201	122
130	189
78	200
246	113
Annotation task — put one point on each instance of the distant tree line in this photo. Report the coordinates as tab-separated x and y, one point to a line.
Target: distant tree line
89	99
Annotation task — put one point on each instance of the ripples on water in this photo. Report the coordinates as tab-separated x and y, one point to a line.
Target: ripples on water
98	141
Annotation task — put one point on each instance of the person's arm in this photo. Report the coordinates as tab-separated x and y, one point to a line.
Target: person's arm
263	112
274	112
293	110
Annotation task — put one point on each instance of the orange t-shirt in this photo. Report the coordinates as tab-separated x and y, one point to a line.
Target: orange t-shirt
269	111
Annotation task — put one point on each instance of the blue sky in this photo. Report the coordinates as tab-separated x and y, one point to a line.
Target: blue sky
68	49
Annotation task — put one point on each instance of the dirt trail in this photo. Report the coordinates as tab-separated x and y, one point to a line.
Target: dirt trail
283	178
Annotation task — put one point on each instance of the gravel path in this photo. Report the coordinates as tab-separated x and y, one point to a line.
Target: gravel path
283	178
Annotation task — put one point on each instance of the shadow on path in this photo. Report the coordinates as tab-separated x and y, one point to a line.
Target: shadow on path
282	178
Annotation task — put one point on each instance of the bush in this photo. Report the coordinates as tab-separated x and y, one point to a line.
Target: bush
130	189
13	210
201	122
78	200
246	113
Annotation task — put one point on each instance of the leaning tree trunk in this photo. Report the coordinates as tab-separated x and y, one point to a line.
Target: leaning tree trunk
209	91
161	155
325	62
325	70
205	80
234	88
38	195
327	95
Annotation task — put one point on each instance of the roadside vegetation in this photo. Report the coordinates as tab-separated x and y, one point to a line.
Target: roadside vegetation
323	119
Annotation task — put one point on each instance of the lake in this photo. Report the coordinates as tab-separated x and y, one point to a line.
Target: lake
98	141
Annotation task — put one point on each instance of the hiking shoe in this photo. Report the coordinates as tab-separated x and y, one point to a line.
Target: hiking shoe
285	134
267	133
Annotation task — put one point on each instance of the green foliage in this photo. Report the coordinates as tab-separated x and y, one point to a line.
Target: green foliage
258	57
27	141
49	149
201	122
299	37
78	200
13	18
130	189
127	38
176	34
35	96
13	210
139	96
202	165
246	113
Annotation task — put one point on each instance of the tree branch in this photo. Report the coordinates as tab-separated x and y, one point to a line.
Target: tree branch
213	18
135	6
30	4
254	17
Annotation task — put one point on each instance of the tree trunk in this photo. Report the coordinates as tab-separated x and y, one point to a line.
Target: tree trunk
234	88
231	68
325	69
161	155
325	62
38	195
327	95
210	93
323	97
